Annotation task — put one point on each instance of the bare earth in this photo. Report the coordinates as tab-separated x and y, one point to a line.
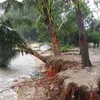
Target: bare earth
87	76
80	76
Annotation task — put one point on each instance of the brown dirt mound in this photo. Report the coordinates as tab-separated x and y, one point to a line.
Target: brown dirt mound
78	84
54	89
58	65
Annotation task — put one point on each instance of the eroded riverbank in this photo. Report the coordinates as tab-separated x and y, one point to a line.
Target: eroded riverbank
23	66
40	88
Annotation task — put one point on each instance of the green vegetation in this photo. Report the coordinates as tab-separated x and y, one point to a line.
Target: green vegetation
52	21
66	47
9	41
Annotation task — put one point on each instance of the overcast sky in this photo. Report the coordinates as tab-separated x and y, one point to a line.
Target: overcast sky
96	12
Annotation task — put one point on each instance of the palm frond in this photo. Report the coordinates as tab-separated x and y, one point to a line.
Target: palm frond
9	41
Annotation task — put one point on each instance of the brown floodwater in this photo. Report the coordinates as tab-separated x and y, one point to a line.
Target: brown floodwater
19	67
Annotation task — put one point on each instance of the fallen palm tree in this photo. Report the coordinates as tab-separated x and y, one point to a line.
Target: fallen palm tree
9	41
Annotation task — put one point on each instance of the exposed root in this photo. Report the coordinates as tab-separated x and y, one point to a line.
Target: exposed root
58	65
73	92
54	89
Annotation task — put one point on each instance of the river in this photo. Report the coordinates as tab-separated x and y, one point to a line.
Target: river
23	65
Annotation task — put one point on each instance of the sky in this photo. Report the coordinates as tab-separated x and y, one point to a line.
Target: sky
93	7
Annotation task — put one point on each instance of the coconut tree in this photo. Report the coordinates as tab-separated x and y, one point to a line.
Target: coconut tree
11	43
45	9
81	32
11	38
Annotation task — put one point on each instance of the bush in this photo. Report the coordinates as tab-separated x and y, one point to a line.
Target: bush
66	47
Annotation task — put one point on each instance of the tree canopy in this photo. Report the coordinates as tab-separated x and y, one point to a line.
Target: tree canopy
34	19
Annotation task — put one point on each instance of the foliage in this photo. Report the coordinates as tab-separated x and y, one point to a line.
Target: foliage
31	15
36	14
9	41
93	37
93	34
21	19
6	5
66	47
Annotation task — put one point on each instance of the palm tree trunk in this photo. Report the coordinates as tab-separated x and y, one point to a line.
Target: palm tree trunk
82	39
55	43
51	27
34	53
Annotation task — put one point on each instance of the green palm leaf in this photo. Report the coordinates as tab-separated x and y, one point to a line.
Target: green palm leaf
9	41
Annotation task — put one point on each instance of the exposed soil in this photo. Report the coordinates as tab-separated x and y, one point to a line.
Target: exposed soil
70	82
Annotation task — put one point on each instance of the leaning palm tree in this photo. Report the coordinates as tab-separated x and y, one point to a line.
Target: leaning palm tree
11	43
81	32
9	40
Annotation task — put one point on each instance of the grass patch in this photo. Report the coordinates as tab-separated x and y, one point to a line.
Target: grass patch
66	47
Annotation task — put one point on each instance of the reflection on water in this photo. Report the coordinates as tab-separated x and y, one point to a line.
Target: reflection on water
22	65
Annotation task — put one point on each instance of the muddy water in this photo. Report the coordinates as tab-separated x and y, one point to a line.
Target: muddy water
21	66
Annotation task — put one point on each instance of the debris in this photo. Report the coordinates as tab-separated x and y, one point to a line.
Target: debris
45	47
36	75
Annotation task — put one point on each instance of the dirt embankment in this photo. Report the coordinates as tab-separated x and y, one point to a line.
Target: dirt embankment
66	85
70	81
